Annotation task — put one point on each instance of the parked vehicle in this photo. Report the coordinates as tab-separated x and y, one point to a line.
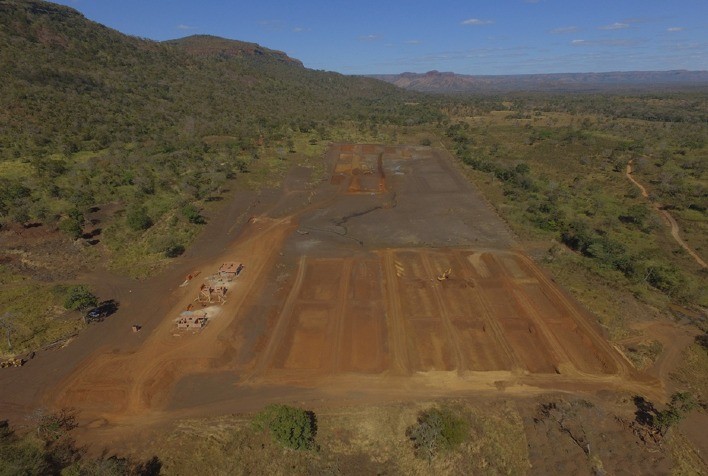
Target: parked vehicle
100	312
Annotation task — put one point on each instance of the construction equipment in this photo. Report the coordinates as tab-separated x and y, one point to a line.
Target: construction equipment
446	275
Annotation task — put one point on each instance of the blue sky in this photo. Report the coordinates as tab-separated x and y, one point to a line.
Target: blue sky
468	37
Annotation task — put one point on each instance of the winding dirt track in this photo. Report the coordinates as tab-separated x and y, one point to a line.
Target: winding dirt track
670	220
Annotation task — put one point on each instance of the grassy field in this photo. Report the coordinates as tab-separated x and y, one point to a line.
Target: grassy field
351	440
33	314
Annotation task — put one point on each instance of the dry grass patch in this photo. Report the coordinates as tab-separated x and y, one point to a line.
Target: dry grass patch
354	440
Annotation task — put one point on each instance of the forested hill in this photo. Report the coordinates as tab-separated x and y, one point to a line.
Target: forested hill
71	83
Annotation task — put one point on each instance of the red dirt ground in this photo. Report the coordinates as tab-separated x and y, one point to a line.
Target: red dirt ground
348	305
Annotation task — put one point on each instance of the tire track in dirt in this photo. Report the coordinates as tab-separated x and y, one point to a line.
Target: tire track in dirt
580	320
340	312
675	230
450	332
400	360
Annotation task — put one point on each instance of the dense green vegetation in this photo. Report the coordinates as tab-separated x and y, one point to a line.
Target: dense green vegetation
554	166
681	403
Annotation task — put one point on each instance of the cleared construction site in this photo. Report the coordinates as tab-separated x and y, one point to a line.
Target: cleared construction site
393	279
390	312
464	300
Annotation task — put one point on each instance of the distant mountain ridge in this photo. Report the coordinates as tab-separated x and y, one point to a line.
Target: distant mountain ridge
447	82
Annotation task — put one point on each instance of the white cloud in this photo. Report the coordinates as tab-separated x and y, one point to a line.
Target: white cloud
608	42
299	29
476	22
186	27
271	25
675	28
615	26
369	37
413	42
564	29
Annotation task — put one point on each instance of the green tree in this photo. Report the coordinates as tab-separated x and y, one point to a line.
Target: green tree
79	298
289	426
681	403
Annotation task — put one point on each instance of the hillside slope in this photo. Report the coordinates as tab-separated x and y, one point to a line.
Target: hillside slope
68	81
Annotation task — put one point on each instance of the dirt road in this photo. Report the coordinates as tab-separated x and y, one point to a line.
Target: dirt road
670	220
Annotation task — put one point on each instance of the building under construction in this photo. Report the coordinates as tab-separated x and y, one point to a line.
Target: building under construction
192	320
210	294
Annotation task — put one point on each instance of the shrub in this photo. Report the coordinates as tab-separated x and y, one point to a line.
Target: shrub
522	169
174	250
666	278
71	228
138	218
192	214
291	427
79	297
437	429
73	224
577	236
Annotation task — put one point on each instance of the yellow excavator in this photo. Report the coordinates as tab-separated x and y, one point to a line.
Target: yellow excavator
446	275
